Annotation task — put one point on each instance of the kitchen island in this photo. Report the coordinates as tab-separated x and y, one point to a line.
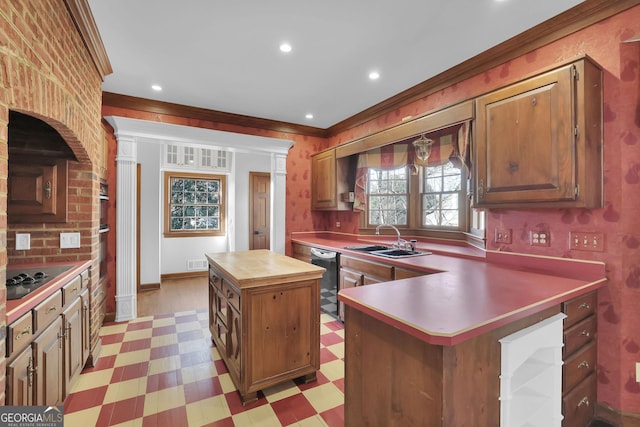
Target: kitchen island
264	318
425	351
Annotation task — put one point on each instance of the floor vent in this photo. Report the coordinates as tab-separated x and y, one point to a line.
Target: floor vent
196	264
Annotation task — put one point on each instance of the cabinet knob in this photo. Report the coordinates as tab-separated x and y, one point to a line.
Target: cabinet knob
51	309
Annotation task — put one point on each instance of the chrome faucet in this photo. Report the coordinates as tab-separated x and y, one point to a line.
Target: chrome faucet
400	243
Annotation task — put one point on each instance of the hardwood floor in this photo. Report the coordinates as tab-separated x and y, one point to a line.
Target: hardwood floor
173	296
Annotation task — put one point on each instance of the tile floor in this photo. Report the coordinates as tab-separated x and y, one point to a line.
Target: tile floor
164	371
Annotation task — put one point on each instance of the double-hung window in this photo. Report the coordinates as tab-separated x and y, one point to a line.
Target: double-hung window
388	194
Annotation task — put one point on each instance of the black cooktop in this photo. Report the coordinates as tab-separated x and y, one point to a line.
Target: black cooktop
22	281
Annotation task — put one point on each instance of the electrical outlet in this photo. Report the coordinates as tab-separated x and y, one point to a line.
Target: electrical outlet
585	241
337	224
69	240
539	238
502	235
23	241
638	372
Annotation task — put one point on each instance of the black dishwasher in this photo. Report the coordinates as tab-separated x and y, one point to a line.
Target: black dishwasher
329	281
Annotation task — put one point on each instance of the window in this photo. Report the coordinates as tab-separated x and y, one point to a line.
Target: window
442	196
388	196
194	204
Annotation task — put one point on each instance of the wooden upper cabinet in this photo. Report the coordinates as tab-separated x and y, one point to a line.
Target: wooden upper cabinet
37	192
539	142
330	177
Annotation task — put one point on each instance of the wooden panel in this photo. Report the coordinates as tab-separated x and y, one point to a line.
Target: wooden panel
579	308
20	380
403	273
579	334
373	269
72	331
578	406
71	290
19	334
47	310
301	252
49	363
231	295
578	366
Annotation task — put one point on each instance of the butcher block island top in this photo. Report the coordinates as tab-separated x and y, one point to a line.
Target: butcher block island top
260	267
264	318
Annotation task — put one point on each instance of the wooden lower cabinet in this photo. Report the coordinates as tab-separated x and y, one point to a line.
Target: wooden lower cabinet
48	347
266	329
580	356
359	272
73	343
20	378
49	365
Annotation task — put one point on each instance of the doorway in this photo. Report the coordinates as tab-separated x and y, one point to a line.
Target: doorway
259	210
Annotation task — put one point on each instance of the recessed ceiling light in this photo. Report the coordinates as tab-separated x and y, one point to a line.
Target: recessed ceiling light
309	116
374	75
285	47
157	88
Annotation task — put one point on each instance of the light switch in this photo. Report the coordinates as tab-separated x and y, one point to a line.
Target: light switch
69	240
23	241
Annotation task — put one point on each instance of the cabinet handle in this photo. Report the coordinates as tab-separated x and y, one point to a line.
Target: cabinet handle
25	331
585	333
534	101
30	371
584	401
481	189
584	364
74	290
584	306
51	309
229	294
47	190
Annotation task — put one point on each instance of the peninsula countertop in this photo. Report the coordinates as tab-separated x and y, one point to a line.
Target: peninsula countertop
464	293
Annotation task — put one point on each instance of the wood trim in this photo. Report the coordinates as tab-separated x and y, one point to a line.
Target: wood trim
83	18
138	207
185	275
159	107
148	287
581	16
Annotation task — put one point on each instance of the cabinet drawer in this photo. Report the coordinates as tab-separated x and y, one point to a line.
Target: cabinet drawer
45	312
85	278
579	334
578	366
302	252
231	295
579	308
19	334
214	279
381	271
71	290
578	406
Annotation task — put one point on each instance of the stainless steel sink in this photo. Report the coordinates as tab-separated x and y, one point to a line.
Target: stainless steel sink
399	253
367	248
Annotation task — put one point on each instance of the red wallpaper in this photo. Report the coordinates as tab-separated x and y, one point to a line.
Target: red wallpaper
619	302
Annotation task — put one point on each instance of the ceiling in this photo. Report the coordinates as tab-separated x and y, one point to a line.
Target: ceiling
224	55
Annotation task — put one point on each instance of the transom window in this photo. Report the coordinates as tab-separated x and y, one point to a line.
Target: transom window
388	196
194	204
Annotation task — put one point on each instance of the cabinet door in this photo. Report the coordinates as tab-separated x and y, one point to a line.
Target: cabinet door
86	326
525	141
20	379
47	349
323	180
72	323
234	339
37	192
348	279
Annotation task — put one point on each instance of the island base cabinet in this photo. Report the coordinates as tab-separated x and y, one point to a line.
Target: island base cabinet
268	332
395	379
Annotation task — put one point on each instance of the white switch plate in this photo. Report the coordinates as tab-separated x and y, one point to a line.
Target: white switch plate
69	240
638	372
23	241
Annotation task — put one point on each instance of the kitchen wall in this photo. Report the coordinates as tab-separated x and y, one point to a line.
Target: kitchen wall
46	71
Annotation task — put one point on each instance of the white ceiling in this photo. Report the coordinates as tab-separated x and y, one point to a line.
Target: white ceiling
224	54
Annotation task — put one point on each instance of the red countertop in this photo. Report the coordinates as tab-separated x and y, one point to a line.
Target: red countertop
466	291
18	307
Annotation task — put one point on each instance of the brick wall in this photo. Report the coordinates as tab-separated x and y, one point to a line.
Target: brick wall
46	72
